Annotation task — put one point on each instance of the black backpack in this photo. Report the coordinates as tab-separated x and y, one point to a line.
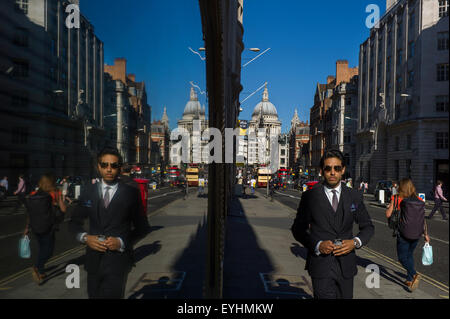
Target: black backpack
412	218
41	211
393	221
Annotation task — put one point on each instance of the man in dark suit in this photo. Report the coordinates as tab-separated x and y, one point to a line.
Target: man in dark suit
324	225
113	209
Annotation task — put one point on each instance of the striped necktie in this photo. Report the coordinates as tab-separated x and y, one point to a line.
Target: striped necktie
106	199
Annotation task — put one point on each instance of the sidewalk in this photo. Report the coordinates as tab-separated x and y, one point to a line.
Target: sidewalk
169	260
262	259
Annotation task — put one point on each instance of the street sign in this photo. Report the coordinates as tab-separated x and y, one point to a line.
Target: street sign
422	196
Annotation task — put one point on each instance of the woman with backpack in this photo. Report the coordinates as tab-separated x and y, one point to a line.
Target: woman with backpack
44	207
411	226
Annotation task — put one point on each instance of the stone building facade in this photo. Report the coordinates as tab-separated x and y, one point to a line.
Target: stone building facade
403	96
127	114
51	91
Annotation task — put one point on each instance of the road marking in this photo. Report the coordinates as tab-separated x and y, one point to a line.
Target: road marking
164	195
445	297
7	288
26	271
425	278
11	235
433	238
291	196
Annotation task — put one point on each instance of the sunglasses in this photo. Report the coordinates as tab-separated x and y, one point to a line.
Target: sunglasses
329	168
113	165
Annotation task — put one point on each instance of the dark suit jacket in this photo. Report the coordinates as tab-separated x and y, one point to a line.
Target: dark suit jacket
121	219
316	221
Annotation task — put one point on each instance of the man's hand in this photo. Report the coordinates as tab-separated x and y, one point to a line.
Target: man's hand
326	247
427	239
347	246
113	243
95	244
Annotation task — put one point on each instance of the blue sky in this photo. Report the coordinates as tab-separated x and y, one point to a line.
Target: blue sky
306	38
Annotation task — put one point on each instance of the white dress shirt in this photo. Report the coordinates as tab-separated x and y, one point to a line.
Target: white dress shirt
112	192
329	193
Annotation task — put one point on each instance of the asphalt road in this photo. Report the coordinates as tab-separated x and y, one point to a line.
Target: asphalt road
383	242
12	226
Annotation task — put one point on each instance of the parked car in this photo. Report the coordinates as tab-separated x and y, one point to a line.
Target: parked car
386	186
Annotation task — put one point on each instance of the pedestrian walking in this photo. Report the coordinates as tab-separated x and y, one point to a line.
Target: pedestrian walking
4	187
366	187
115	224
411	227
253	185
349	183
20	192
394	189
201	186
361	186
438	199
45	210
321	227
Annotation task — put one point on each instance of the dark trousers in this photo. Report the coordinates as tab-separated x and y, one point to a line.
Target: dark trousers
405	253
46	246
333	287
438	205
106	286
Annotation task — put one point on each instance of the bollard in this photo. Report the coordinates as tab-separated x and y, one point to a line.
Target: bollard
77	191
381	196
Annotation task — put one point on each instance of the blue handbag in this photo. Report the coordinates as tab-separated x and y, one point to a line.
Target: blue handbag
24	247
427	254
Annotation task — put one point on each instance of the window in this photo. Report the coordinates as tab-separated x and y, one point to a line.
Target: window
408	142
19	100
442	103
411	49
398	112
443	43
443	8
408	168
442	72
396	170
399	58
399	84
283	152
410	79
399	31
19	135
21	68
389	39
410	107
21	37
22	5
442	140
347	138
397	143
412	20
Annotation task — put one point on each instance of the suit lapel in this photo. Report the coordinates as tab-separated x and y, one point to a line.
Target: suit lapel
328	208
99	203
108	213
344	210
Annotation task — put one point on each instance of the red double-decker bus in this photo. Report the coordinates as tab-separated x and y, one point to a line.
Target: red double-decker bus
283	174
173	173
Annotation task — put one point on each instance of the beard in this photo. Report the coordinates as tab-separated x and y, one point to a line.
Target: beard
333	184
